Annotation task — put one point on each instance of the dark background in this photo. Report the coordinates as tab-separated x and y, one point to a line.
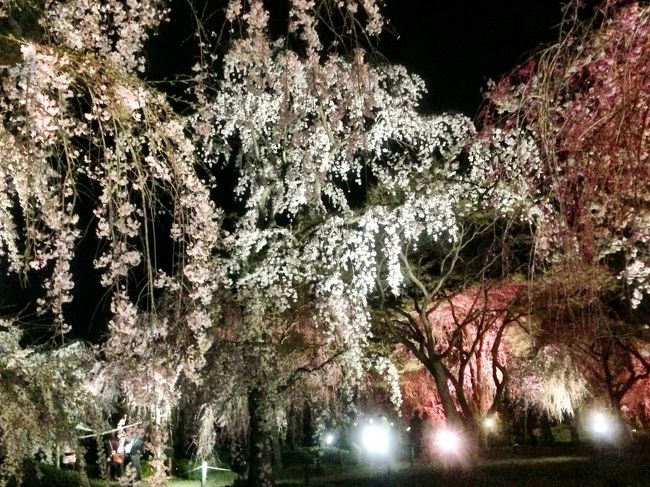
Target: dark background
457	45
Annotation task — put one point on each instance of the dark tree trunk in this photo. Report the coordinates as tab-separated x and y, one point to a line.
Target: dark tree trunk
439	373
81	466
307	427
529	426
260	455
547	433
277	450
572	422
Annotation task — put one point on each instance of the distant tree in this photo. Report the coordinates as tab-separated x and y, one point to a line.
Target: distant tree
608	353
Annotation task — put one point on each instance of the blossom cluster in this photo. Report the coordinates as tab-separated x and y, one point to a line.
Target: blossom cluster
116	29
76	126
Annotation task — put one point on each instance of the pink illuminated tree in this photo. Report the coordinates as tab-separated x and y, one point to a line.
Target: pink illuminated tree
460	338
586	102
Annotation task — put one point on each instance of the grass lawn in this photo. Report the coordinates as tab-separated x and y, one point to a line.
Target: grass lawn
573	467
562	465
212	482
531	466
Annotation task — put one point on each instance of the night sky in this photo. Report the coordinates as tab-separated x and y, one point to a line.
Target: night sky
457	45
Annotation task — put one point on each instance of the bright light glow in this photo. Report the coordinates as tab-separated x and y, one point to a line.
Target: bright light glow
448	441
375	439
489	423
329	439
601	424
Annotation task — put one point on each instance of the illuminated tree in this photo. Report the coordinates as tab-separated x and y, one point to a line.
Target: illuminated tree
460	338
585	100
605	353
308	133
89	150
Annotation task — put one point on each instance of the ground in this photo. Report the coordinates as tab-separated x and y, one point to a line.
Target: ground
524	466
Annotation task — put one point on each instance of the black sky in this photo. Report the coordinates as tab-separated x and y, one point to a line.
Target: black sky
457	45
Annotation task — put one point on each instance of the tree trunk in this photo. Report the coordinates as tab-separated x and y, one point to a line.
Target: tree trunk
572	421
158	443
439	373
465	422
547	432
260	453
81	466
277	450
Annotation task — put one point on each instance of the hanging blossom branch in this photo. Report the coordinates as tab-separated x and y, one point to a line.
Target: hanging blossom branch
73	119
114	29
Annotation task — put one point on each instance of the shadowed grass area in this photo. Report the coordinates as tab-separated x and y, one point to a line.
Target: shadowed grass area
561	465
525	466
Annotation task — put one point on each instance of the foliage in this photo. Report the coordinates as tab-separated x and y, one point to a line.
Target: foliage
338	177
44	395
585	100
549	381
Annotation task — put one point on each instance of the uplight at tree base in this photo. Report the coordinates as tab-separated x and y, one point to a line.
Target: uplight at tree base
448	442
489	423
375	439
602	426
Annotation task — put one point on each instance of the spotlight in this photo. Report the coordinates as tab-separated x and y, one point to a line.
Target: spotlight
375	439
448	441
603	426
489	423
329	439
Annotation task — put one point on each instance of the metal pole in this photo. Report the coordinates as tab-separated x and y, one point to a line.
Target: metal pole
204	473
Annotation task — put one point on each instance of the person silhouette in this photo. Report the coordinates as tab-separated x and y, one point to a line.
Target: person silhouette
416	425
